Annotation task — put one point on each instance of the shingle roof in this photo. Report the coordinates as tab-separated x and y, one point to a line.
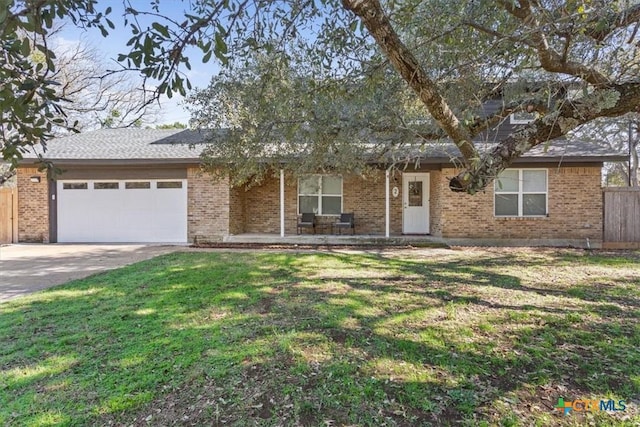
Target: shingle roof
126	144
556	150
185	146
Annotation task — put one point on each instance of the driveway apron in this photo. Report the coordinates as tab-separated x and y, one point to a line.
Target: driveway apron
26	268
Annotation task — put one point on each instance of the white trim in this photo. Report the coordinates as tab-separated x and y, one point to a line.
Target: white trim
386	204
281	202
520	193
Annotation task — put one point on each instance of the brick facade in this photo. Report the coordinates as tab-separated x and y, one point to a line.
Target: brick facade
215	210
237	218
365	197
574	202
437	196
33	206
262	206
208	207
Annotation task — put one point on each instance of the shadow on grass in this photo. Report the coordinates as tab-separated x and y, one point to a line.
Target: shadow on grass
284	338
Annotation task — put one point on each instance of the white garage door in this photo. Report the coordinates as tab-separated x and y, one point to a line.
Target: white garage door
122	211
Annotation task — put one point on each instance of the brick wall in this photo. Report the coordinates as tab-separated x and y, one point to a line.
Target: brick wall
364	197
436	197
237	217
33	206
208	207
574	201
215	210
262	207
395	203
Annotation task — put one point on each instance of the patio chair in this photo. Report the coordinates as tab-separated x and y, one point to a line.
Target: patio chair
308	220
347	220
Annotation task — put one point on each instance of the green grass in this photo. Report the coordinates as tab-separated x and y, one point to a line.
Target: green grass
424	337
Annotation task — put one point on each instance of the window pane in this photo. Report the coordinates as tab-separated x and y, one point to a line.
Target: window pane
137	185
169	184
534	181
507	181
309	185
331	185
331	205
506	204
105	186
415	193
308	204
74	186
534	204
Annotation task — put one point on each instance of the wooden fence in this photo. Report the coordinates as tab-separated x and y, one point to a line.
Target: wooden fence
621	218
8	215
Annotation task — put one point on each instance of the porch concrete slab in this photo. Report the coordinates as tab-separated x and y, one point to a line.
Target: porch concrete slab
417	240
26	268
331	239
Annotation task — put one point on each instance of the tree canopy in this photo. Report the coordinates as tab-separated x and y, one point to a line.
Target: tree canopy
94	97
333	74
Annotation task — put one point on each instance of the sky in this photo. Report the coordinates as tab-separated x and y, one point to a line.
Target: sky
200	74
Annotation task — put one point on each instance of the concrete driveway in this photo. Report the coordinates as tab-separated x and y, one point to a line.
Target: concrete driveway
29	268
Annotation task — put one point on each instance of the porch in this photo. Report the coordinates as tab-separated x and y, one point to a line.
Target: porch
293	240
382	206
334	239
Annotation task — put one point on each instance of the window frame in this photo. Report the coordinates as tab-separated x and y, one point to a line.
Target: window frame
76	183
521	193
320	194
105	181
169	181
138	184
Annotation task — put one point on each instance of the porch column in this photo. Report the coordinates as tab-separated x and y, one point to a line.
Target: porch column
281	202
386	204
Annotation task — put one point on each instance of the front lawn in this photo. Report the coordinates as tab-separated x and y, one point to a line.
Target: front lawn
425	337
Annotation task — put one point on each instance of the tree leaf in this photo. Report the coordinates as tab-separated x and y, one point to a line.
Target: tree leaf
162	29
221	45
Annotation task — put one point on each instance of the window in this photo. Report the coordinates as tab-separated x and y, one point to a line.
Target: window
74	186
522	118
415	193
105	186
320	194
169	184
137	185
521	192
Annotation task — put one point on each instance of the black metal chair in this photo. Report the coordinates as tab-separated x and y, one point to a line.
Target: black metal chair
347	220
308	220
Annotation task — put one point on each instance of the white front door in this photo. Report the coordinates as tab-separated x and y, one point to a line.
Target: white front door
415	202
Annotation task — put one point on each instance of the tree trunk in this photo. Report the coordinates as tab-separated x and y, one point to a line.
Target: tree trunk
606	100
405	63
633	159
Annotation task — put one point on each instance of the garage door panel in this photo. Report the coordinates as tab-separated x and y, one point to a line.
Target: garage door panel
122	215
